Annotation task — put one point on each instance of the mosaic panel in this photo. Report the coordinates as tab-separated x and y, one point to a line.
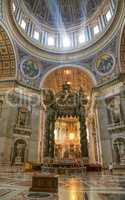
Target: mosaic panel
7	58
29	69
105	63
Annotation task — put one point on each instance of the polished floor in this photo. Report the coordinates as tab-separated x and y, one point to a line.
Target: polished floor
93	186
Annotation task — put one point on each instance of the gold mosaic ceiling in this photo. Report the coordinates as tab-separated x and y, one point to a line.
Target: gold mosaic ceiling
74	76
7	57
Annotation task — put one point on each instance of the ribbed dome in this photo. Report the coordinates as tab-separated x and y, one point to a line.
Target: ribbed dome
63	26
62	12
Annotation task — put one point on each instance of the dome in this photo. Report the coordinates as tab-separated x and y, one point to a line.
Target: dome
63	12
64	26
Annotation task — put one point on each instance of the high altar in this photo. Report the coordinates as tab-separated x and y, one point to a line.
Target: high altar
65	136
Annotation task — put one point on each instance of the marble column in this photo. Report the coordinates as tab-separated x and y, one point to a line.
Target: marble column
52	139
83	137
103	133
47	135
42	118
92	139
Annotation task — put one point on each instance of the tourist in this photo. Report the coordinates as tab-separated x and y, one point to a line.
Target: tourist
110	168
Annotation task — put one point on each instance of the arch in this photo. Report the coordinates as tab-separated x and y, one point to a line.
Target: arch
83	69
7	56
122	51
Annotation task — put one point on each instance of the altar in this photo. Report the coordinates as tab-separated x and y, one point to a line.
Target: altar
65	135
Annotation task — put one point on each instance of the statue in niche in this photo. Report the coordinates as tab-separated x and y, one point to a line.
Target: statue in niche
18	154
116	154
20	150
114	111
23	119
119	148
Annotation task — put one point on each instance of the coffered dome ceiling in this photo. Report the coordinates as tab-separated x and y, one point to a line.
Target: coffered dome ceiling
55	29
63	12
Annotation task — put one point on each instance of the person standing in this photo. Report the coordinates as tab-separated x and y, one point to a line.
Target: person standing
110	168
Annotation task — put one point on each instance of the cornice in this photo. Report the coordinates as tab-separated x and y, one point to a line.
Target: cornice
118	79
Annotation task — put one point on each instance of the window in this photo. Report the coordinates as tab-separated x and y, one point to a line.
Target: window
36	35
66	42
51	41
81	38
96	29
14	7
108	16
23	24
67	71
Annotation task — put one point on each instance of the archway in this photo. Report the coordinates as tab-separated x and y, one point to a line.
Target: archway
66	92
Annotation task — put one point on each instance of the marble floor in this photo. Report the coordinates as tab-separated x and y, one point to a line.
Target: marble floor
93	186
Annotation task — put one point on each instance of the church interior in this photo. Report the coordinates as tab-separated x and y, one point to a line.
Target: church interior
62	99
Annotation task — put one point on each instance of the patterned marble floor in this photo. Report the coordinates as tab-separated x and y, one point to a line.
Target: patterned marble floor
15	186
